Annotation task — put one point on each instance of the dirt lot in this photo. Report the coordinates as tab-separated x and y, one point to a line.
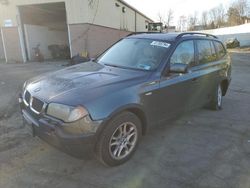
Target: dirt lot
202	149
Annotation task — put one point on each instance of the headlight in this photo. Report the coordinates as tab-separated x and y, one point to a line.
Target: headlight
66	113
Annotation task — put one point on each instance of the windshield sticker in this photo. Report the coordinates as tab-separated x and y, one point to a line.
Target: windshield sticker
160	44
145	67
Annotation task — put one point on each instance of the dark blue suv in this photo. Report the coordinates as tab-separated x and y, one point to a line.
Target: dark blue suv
107	104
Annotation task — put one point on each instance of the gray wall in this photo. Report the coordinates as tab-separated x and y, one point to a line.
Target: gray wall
244	38
241	32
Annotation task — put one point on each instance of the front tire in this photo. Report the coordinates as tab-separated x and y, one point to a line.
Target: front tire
216	103
119	140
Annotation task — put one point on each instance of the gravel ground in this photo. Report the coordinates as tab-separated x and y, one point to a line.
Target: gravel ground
202	149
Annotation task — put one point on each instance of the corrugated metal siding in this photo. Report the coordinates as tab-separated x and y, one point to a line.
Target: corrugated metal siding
108	14
141	23
76	10
10	11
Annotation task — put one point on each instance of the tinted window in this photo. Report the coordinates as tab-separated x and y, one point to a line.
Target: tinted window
220	49
206	51
184	53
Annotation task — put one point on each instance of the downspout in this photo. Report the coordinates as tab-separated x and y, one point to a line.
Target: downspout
135	21
4	47
69	33
21	36
69	39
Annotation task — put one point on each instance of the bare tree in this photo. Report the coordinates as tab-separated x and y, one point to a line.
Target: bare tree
192	21
233	17
182	23
221	16
169	18
217	15
160	17
242	8
204	19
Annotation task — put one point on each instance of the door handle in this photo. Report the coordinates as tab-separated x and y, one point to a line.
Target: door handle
195	79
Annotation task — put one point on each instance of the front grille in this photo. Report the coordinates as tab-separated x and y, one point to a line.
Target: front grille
33	103
37	104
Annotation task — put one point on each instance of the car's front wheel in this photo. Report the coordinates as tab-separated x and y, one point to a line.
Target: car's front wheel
119	139
216	103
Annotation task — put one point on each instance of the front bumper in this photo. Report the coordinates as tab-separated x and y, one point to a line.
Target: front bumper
78	143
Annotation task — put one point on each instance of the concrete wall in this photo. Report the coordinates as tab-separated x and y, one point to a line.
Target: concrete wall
244	38
45	37
241	32
92	38
12	44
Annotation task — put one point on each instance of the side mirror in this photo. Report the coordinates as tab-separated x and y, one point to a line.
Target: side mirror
178	68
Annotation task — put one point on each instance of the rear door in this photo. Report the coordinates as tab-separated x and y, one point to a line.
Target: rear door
207	72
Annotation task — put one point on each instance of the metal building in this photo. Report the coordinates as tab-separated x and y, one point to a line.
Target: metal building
85	26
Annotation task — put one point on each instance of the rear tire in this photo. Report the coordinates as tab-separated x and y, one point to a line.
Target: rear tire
216	103
119	139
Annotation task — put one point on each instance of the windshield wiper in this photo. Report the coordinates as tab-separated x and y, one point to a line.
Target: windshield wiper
111	65
123	67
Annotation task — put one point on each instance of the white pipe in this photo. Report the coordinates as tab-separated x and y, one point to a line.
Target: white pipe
21	37
4	48
70	46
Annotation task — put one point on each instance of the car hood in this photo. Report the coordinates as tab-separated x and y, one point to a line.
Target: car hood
82	78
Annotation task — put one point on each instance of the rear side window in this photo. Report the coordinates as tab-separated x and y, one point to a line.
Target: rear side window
206	51
184	53
220	49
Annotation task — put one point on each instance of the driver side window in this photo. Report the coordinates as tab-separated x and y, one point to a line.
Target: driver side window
184	53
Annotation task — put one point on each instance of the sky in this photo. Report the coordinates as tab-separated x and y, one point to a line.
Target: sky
180	7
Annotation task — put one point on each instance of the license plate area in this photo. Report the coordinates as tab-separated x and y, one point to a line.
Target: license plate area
30	127
29	123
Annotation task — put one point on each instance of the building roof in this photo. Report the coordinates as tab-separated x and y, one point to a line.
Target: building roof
128	5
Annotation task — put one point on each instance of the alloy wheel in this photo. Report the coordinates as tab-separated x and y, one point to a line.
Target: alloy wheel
123	141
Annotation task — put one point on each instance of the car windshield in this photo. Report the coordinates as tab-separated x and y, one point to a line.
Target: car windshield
142	54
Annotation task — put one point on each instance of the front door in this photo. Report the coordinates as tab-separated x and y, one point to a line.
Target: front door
175	89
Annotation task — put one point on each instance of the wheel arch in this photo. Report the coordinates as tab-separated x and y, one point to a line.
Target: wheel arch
133	108
141	115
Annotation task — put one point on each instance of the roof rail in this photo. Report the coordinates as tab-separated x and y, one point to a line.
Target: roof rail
137	33
196	33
